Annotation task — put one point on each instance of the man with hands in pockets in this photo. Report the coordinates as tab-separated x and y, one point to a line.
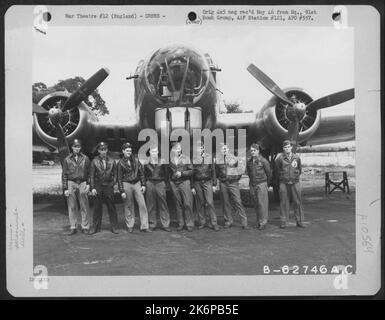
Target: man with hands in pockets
132	186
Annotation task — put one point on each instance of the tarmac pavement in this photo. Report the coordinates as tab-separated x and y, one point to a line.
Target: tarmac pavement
329	240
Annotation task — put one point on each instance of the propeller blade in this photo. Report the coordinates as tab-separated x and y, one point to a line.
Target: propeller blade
86	89
62	143
293	129
38	109
331	100
268	83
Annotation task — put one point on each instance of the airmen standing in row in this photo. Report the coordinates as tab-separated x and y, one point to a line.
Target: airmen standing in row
132	186
229	173
181	171
146	185
102	181
259	172
204	184
75	185
288	166
156	174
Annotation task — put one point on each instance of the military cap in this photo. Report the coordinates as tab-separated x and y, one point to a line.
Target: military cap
286	142
102	145
126	145
76	143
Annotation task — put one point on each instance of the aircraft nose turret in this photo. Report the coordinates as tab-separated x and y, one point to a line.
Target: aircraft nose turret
177	75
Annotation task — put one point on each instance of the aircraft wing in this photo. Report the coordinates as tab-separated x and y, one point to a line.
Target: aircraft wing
254	126
114	133
334	129
81	123
263	129
294	115
236	120
61	117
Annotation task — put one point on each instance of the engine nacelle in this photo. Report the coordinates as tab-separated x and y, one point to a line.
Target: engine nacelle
75	122
273	115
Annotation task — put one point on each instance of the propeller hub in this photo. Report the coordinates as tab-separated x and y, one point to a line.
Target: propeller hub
300	109
296	112
55	115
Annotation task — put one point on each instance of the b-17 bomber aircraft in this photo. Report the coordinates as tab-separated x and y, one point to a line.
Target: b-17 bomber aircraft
177	88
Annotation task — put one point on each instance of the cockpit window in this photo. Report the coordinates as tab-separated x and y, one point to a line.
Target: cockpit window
177	74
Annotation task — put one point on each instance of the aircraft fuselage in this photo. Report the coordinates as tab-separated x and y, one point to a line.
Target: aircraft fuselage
176	83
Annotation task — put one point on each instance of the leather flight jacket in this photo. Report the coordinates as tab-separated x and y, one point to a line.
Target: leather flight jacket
289	170
76	171
156	172
131	172
258	170
204	171
184	166
100	175
231	170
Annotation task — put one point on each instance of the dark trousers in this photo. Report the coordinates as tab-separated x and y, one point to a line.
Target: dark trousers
231	199
183	202
205	201
105	194
156	202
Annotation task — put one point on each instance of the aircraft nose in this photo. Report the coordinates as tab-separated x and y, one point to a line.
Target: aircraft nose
177	75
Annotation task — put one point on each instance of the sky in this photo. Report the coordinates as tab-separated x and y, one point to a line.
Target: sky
317	59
